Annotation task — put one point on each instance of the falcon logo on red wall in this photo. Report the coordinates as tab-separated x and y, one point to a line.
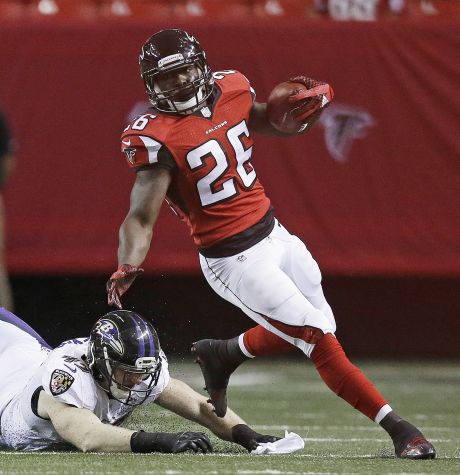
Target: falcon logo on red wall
344	124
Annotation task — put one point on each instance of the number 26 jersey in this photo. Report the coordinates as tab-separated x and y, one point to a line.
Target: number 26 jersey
214	188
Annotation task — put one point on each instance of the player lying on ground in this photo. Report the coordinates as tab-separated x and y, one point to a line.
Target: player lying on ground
78	393
194	148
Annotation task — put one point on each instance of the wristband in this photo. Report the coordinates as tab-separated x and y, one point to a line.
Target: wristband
146	442
242	434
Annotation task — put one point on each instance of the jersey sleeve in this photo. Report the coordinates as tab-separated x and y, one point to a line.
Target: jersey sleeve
232	80
69	384
142	152
165	160
251	89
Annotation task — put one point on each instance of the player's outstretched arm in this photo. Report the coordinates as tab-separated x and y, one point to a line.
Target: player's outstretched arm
147	195
86	432
135	233
180	398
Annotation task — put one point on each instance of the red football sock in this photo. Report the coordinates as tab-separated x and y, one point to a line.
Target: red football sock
344	378
262	342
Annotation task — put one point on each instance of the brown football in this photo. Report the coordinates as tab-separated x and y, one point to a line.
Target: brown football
279	108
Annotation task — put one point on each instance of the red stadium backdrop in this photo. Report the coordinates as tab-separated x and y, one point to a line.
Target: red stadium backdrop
373	189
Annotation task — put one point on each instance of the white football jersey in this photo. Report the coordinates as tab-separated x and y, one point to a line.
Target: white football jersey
65	376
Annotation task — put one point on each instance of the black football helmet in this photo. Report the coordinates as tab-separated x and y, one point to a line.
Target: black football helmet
124	356
169	50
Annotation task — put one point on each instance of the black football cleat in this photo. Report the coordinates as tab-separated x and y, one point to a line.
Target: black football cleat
216	372
408	441
417	449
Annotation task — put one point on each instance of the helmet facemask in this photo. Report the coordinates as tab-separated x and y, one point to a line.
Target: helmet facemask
194	92
132	385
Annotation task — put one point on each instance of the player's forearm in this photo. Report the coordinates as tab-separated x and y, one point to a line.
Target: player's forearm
186	402
84	430
134	241
259	123
202	413
106	438
220	426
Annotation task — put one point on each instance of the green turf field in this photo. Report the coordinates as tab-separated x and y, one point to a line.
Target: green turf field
273	396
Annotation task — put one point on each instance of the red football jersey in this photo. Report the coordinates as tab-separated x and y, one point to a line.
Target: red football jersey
215	189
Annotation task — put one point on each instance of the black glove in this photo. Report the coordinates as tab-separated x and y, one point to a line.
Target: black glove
145	442
249	439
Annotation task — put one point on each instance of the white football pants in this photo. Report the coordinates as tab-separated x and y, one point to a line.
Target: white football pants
276	278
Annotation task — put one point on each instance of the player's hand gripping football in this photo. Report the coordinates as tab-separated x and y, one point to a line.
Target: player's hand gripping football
309	103
120	281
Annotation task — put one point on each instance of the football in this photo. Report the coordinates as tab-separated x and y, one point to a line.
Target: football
279	109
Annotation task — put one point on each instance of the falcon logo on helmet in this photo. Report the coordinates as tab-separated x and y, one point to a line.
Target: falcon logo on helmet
169	52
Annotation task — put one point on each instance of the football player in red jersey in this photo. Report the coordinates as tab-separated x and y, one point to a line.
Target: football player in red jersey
194	149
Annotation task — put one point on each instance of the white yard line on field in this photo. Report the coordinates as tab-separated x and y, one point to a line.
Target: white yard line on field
276	472
360	439
369	427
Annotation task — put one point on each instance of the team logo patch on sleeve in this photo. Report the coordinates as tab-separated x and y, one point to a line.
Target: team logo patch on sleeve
60	382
